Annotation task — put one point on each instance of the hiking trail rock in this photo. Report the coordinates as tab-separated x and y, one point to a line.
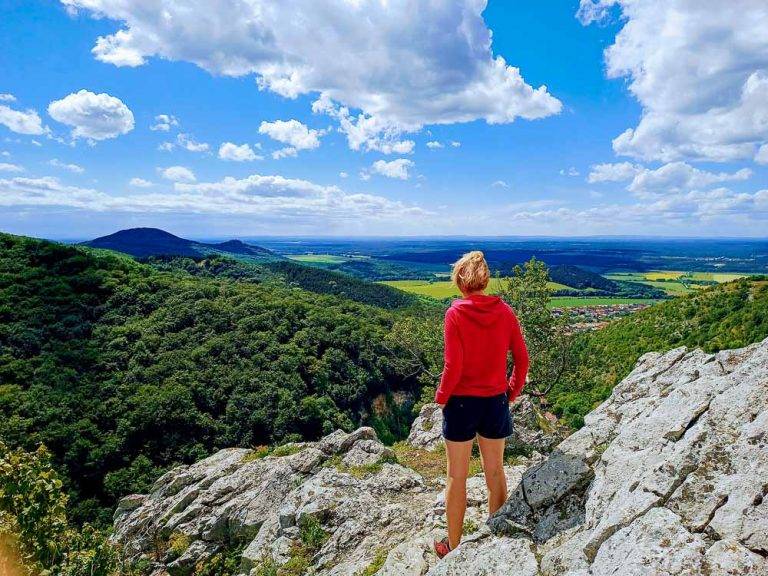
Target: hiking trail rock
669	476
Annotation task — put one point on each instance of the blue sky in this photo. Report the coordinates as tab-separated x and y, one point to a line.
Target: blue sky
365	117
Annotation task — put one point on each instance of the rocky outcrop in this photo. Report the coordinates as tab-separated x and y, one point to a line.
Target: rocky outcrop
362	507
668	476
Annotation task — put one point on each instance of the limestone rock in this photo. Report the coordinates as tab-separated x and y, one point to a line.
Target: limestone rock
669	476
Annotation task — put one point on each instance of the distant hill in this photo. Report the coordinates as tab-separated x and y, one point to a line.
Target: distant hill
581	279
145	242
729	315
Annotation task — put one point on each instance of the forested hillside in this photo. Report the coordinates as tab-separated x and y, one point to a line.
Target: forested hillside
291	274
122	369
730	315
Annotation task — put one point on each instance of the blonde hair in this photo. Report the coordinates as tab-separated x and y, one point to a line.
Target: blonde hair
470	272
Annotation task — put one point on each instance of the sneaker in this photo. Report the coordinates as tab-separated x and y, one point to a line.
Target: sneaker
442	547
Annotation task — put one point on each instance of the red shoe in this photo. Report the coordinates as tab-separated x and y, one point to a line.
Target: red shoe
442	547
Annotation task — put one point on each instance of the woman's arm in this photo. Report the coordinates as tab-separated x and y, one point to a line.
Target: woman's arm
454	358
520	354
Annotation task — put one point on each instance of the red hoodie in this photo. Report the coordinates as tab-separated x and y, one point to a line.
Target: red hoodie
479	330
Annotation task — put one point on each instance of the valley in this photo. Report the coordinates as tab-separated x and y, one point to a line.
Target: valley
129	357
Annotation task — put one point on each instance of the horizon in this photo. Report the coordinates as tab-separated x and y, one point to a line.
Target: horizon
545	120
199	238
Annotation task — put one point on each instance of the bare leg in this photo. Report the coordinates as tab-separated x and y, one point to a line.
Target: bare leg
492	455
458	454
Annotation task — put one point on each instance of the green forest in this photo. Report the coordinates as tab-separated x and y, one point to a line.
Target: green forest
729	315
122	369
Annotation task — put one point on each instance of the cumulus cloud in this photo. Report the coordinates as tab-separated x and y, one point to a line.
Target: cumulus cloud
434	144
189	143
164	122
455	143
270	197
407	67
699	70
56	163
292	132
7	167
343	175
21	122
140	183
92	116
166	146
762	155
177	174
613	172
679	176
7	98
669	178
235	153
569	172
398	169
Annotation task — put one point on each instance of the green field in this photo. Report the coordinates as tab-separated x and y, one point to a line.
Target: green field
675	283
446	288
318	258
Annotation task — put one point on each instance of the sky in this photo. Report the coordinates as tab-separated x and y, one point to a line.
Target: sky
384	117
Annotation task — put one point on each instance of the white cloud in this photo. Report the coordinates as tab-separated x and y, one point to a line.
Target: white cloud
499	184
177	174
343	175
399	169
287	152
291	132
670	178
434	144
166	146
267	199
407	67
5	153
613	172
164	122
570	172
455	143
366	132
6	167
7	98
140	183
762	155
26	122
235	153
56	163
679	177
700	71
92	116
187	142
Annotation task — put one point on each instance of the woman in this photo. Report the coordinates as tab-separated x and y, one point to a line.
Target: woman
474	391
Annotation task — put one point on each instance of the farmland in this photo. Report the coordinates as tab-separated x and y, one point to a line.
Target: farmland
446	289
676	283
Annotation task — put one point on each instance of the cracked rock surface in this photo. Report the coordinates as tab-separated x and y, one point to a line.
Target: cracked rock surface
669	476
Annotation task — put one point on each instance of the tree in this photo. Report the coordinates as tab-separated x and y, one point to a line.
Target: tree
546	332
415	345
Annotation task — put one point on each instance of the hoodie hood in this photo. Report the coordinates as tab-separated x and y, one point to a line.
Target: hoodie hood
480	309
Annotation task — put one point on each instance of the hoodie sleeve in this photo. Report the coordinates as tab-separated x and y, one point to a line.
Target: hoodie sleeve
454	359
520	354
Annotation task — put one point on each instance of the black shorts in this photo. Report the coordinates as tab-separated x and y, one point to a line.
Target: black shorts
465	416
